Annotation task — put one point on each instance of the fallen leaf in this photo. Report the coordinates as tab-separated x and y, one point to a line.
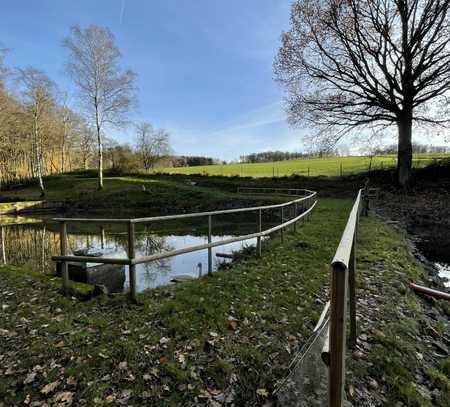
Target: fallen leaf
64	396
262	392
71	381
60	344
48	388
30	378
232	325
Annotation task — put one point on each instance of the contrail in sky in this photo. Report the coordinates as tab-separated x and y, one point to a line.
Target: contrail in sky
122	10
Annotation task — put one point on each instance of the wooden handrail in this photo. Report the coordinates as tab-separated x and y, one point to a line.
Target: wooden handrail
188	215
132	261
343	290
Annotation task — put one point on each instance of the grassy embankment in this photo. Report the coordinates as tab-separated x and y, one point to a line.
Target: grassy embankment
225	338
328	166
150	195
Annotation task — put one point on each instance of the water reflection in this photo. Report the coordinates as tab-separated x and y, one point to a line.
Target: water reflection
32	243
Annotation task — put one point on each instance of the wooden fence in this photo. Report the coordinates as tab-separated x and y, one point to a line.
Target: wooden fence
343	292
298	209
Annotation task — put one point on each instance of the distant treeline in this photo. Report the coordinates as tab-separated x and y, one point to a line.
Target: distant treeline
269	156
417	149
192	161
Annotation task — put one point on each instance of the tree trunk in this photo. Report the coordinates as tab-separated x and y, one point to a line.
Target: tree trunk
404	154
38	157
100	150
39	170
100	159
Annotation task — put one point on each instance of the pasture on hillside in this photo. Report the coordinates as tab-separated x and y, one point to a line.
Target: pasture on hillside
328	166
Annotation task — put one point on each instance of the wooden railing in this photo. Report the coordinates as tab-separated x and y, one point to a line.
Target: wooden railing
300	208
343	291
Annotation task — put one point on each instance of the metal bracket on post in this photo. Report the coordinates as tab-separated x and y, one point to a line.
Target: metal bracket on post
131	258
209	241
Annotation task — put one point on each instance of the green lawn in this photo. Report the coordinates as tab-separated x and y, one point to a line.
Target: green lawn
329	166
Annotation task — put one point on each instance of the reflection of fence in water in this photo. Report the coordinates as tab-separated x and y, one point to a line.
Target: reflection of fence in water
34	244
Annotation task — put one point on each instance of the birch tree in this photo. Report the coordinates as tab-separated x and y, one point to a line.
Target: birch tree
38	93
105	90
349	64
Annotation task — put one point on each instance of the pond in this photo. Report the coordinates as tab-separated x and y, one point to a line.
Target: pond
32	242
434	243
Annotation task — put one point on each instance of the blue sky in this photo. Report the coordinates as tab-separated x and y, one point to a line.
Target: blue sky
204	66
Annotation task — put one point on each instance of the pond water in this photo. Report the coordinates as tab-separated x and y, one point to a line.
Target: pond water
434	243
32	242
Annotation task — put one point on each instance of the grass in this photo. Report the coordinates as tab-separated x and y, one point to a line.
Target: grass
328	166
179	345
162	195
224	338
397	353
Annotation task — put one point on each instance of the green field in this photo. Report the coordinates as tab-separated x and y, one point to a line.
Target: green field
329	166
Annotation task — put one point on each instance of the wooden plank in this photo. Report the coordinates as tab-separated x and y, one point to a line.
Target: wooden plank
258	239
90	259
131	257
210	266
63	250
2	243
225	255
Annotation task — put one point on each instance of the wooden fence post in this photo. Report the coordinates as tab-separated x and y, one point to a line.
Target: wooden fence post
258	239
282	221
131	258
63	249
336	372
295	215
209	241
102	237
2	242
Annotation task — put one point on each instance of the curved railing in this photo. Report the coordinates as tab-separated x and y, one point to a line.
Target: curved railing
299	208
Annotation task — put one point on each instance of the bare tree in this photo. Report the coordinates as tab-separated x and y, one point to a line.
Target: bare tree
151	144
106	91
144	134
38	93
87	145
348	63
66	122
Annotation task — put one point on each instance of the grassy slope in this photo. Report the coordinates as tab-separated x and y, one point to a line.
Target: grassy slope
179	346
329	166
162	195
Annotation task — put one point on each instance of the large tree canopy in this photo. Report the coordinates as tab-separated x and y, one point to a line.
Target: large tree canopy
347	63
